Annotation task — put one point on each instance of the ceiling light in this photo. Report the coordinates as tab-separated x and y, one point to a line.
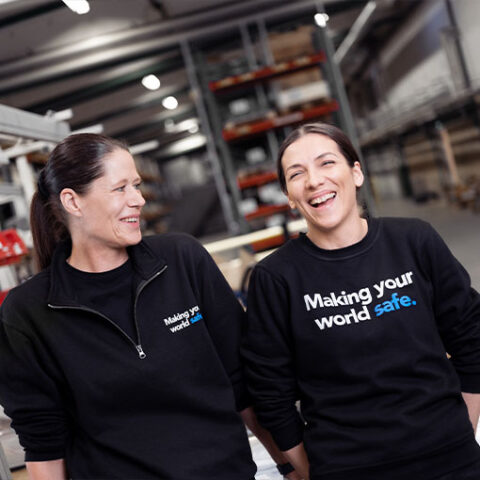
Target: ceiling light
78	6
170	103
169	125
151	82
144	147
321	19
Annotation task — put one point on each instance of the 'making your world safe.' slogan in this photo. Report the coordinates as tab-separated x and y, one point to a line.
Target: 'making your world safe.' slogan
384	293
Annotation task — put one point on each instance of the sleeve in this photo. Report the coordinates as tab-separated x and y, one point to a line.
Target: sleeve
457	312
269	363
225	319
30	398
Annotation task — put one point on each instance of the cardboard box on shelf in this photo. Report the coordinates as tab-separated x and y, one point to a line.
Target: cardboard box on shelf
293	44
307	94
297	79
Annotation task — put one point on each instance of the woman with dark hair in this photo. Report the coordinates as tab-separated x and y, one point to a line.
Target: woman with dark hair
354	318
120	359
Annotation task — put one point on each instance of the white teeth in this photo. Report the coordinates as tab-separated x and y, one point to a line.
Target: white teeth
129	220
322	199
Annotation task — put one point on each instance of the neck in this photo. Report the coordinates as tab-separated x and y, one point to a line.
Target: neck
341	237
96	260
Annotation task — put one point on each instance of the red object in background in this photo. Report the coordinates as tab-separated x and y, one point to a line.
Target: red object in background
12	247
293	118
3	294
266	210
268	72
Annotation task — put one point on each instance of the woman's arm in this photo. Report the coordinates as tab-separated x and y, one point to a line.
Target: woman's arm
298	458
250	420
269	364
50	470
472	400
456	306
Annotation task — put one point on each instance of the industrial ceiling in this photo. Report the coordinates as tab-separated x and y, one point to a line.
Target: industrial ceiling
54	59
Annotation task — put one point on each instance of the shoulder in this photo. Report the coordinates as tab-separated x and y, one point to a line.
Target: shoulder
172	245
29	296
170	240
400	227
280	262
403	222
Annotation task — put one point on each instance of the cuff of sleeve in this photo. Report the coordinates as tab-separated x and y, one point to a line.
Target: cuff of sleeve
285	469
43	456
288	436
469	382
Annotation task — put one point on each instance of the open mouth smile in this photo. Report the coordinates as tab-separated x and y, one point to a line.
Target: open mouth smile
317	201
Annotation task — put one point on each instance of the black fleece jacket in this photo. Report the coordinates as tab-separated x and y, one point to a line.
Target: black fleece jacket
359	334
159	406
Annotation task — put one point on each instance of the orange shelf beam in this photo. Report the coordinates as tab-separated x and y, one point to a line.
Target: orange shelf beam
267	72
280	121
267	243
271	242
256	180
266	210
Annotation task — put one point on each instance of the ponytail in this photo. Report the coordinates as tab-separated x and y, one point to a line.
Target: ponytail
47	230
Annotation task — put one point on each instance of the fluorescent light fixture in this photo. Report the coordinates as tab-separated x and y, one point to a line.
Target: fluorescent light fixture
144	147
190	125
60	116
78	6
151	82
170	103
169	125
321	19
96	128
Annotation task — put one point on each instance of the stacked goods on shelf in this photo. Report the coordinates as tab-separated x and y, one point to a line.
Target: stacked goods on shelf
291	44
294	92
258	86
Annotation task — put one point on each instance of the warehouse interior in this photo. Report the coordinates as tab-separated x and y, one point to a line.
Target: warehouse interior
229	80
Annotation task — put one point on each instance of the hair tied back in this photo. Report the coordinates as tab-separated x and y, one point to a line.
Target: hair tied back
41	187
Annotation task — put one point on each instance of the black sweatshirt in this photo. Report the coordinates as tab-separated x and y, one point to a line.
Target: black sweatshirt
77	387
359	335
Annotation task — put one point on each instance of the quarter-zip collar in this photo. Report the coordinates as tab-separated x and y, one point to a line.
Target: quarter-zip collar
146	265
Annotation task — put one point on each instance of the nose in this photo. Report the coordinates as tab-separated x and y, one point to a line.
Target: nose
135	198
314	178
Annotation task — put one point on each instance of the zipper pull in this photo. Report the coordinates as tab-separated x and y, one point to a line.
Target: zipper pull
140	351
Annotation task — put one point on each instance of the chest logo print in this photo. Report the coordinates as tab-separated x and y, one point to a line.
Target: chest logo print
363	298
181	320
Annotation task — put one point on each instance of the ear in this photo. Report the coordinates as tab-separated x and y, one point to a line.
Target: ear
357	173
69	199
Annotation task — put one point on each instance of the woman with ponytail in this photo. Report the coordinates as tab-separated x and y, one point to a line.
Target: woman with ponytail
120	358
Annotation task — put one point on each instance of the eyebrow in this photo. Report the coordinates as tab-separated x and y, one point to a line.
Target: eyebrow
296	165
125	180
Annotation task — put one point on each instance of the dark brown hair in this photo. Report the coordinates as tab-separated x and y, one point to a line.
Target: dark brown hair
74	163
331	131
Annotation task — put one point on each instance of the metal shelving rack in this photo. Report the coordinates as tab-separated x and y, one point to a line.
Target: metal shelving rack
21	133
268	129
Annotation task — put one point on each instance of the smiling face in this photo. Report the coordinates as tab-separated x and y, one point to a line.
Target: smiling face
109	213
322	186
